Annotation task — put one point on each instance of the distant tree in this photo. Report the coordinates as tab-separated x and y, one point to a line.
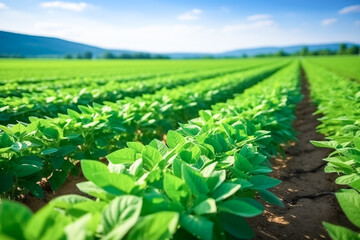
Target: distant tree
109	55
342	49
304	51
281	53
353	50
68	56
88	55
79	56
244	56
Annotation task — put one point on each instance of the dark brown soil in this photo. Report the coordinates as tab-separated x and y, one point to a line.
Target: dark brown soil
306	191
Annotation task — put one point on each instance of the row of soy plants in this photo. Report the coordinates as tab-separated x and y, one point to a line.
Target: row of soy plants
338	101
203	182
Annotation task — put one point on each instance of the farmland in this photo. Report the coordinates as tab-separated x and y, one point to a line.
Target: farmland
180	149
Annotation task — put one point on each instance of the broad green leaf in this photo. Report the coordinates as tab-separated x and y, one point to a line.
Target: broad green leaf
137	146
26	167
160	226
199	226
261	182
325	144
7	180
270	197
13	219
47	224
125	155
194	180
91	189
225	190
341	233
151	157
163	149
243	207
120	216
77	230
176	188
349	201
174	138
348	179
205	207
89	167
67	201
236	226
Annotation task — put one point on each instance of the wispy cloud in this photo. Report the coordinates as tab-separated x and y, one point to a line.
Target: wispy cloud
350	9
73	6
328	21
193	14
2	5
257	17
249	26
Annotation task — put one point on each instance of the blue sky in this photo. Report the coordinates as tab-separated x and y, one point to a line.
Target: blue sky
186	26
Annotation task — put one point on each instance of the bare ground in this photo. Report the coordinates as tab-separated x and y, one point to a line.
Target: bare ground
306	191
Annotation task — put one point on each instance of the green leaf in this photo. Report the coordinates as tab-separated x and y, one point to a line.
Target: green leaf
261	182
340	233
89	167
13	219
194	180
151	157
120	216
176	188
225	190
34	188
46	224
18	146
236	226
243	207
349	201
50	133
174	138
137	146
125	155
78	229
347	179
242	163
160	226
158	145
91	189
357	142
270	197
325	144
49	151
199	226
7	181
26	167
205	207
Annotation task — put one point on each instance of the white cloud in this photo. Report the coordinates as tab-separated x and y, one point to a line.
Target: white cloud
250	26
2	5
257	17
73	6
193	14
350	9
328	21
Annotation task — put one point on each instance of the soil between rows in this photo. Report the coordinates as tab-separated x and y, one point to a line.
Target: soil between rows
306	191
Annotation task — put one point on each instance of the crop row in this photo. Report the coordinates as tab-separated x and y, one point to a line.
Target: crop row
15	88
203	182
51	102
49	148
338	100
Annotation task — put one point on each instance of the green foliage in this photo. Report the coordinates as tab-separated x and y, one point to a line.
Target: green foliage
204	182
338	100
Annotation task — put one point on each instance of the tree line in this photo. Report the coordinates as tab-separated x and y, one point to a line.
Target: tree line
342	50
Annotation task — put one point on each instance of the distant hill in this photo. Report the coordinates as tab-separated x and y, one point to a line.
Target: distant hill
38	46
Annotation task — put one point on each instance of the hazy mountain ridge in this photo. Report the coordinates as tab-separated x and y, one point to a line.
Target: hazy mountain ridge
39	46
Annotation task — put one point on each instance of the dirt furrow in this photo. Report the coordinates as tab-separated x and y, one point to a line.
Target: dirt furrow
306	191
